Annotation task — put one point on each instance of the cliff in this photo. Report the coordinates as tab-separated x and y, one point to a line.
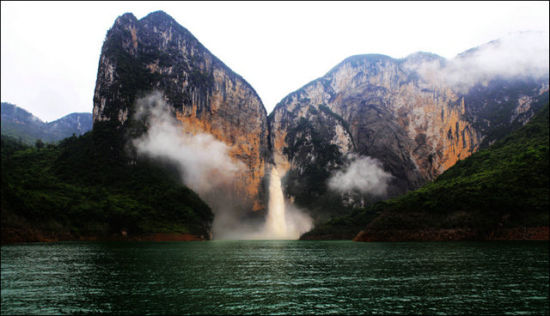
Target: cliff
403	112
498	193
155	53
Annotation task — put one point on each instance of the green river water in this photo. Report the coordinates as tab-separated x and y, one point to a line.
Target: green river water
276	277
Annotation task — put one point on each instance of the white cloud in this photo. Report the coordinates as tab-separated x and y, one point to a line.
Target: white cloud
204	160
517	55
363	174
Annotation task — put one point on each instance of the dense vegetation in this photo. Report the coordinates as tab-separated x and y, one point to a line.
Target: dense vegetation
83	189
503	186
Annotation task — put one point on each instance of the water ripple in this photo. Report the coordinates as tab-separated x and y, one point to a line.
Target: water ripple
276	277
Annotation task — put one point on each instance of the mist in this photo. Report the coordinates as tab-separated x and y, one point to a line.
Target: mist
363	174
520	55
207	168
205	162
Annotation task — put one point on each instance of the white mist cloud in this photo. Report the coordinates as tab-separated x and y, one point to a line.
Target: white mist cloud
518	55
298	222
204	160
363	174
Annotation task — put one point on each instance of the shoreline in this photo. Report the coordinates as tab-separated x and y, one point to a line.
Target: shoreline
540	233
11	237
437	235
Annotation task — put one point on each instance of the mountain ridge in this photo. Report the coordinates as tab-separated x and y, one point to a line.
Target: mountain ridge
20	123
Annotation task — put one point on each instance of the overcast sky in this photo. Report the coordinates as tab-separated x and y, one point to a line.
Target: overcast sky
50	50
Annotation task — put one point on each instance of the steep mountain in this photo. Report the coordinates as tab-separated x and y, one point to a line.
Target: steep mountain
406	113
500	192
21	124
155	53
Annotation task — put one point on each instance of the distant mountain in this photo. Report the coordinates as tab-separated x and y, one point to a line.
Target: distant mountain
23	125
19	123
74	123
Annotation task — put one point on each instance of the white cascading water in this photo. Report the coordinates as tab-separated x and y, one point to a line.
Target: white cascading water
275	225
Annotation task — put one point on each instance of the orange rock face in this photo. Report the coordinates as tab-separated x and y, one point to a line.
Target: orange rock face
436	122
245	141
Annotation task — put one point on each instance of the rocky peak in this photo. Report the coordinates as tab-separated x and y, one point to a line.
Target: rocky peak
155	53
162	21
126	19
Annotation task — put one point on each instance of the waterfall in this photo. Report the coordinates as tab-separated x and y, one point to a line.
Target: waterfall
283	221
275	225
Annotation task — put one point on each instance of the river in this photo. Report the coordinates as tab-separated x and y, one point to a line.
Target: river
275	277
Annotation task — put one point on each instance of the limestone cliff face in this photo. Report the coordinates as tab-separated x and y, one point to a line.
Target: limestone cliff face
381	107
157	54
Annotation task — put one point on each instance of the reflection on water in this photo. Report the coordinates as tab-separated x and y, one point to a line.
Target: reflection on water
265	277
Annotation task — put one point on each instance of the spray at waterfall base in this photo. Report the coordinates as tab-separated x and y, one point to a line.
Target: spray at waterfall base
283	220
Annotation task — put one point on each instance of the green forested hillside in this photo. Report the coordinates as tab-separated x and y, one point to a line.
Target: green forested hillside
78	190
499	189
